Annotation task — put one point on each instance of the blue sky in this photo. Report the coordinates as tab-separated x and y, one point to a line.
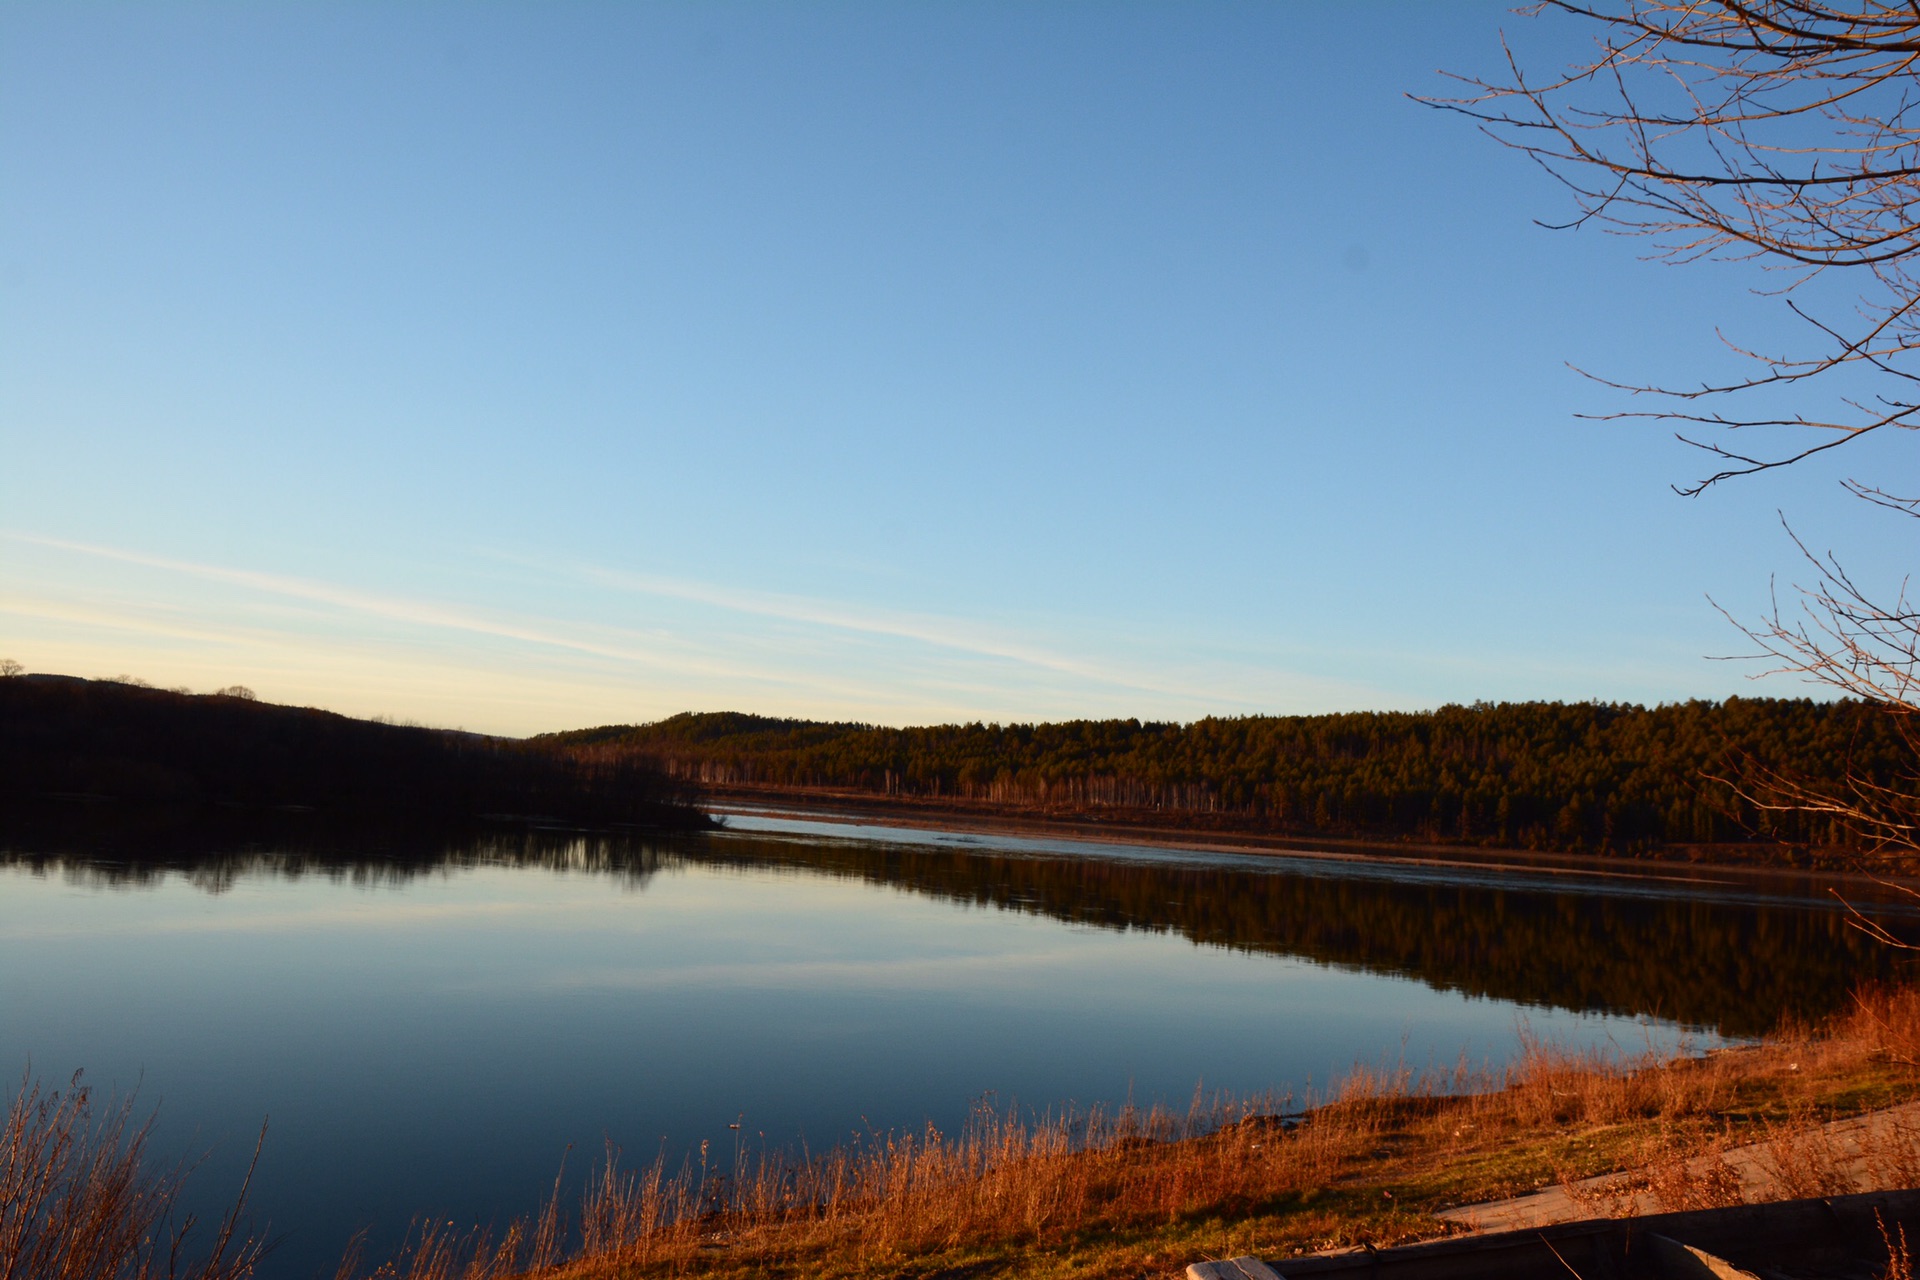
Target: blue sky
521	367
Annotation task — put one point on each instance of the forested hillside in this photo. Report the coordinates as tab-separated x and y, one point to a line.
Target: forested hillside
105	743
1541	775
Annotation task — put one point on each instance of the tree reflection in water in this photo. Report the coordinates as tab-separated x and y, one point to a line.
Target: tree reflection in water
1735	964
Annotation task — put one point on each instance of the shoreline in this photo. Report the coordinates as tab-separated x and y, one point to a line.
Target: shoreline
1374	1161
867	810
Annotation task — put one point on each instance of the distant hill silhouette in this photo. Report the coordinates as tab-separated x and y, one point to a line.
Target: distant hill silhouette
108	744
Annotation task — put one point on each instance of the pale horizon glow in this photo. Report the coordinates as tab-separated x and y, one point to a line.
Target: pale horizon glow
522	369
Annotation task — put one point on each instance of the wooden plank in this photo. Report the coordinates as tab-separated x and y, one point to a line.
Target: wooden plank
1686	1262
1244	1268
1821	1236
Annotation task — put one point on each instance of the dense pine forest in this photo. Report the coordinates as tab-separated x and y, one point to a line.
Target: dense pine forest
1581	777
1575	777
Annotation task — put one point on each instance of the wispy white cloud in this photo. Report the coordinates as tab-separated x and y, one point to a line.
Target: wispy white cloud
945	633
948	633
777	652
757	664
625	648
347	598
21	605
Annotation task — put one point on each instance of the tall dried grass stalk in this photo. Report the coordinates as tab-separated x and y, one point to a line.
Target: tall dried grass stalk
1007	1177
77	1203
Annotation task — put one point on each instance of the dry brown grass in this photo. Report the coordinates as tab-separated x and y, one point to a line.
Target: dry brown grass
1126	1193
1899	1259
78	1203
1368	1159
1140	1192
893	1197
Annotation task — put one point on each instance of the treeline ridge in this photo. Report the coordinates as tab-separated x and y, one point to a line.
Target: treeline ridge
1580	777
106	742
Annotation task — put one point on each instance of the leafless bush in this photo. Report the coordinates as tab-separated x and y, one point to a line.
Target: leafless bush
77	1203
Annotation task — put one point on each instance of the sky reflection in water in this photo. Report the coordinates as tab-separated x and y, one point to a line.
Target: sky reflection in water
431	1042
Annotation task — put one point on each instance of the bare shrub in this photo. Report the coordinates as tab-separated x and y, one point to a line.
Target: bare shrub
1890	1152
1806	1160
1679	1184
77	1203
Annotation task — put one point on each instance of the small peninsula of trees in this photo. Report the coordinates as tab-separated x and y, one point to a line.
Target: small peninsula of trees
1585	777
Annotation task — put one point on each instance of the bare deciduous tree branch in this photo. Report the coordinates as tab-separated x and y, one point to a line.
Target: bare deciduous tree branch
1785	133
1781	131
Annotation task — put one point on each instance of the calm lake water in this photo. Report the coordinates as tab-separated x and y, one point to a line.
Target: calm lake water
428	1033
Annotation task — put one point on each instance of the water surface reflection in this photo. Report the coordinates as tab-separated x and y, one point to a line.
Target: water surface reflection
431	1018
